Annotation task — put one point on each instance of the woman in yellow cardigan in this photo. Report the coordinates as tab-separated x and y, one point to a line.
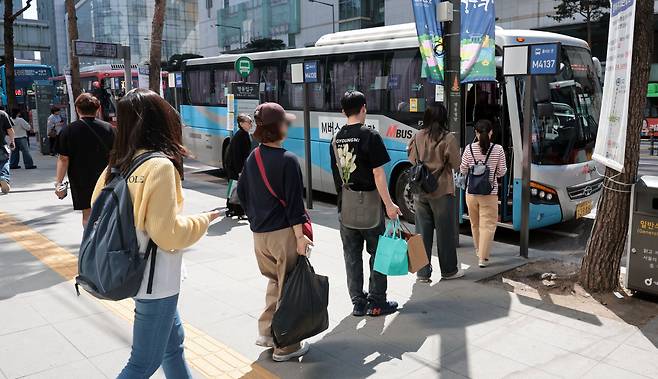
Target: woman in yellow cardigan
146	122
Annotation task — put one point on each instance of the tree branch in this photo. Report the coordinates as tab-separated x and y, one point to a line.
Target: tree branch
20	11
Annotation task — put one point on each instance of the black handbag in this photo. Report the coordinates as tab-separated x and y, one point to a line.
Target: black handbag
421	178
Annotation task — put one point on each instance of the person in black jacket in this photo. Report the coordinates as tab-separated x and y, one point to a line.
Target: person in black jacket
238	151
239	147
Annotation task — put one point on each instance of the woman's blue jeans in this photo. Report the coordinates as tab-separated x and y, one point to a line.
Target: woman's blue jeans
157	340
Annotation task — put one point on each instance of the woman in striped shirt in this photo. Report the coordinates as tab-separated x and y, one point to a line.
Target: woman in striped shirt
483	209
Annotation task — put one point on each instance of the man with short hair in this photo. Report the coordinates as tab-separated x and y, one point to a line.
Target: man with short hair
84	148
6	145
54	125
368	175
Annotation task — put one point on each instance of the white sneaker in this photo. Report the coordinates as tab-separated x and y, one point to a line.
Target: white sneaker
265	341
458	274
4	186
286	357
483	263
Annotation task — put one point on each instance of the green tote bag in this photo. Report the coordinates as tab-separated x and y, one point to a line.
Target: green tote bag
391	257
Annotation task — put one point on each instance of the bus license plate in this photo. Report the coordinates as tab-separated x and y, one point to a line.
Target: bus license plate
583	209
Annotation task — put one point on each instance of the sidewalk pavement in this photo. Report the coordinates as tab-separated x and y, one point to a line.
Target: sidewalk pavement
449	329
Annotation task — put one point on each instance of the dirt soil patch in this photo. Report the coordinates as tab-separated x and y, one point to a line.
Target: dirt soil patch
556	282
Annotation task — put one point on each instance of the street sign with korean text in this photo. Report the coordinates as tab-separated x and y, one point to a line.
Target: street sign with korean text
179	79
245	90
244	66
544	59
96	49
311	72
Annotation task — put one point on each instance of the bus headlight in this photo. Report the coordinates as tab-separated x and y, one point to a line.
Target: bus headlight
541	194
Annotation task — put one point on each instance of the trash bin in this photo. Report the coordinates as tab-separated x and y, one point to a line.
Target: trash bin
642	260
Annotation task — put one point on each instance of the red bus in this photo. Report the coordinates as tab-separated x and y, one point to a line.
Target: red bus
105	81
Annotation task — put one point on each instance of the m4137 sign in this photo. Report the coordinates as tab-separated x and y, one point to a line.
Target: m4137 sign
543	59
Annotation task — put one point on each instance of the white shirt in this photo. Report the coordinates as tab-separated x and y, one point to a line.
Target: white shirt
21	127
54	121
167	275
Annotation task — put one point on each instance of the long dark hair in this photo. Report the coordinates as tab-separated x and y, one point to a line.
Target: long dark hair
483	127
435	120
146	121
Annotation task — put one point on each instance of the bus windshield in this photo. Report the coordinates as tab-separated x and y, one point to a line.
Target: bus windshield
567	107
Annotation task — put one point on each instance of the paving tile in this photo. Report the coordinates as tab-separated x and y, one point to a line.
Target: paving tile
201	310
18	315
586	322
225	332
97	334
606	371
434	373
554	334
60	303
35	350
635	360
76	370
643	340
475	363
111	364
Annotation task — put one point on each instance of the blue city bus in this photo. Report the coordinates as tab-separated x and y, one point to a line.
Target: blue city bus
25	74
385	64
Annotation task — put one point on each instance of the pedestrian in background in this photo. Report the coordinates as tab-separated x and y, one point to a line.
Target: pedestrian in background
368	175
238	151
276	215
483	207
84	148
146	122
21	128
54	125
6	146
438	149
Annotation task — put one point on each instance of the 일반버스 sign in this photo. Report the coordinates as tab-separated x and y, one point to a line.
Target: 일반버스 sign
96	49
611	138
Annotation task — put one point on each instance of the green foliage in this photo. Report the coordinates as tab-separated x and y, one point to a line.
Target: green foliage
265	44
590	10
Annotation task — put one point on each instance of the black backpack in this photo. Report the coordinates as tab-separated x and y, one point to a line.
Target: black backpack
421	178
477	182
110	265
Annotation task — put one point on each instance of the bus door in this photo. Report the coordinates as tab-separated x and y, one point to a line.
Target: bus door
486	100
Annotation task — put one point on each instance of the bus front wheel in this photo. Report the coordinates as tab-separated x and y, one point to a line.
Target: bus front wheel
404	197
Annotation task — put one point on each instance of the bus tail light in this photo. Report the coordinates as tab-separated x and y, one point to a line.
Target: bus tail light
541	194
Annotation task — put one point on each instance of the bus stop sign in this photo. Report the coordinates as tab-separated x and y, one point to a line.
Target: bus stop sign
244	66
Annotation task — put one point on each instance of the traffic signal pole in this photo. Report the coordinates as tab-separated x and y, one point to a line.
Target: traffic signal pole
452	85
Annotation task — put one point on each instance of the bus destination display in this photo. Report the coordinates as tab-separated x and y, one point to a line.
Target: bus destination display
96	49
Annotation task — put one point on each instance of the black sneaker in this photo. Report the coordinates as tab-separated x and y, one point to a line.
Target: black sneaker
14	167
382	309
30	168
360	309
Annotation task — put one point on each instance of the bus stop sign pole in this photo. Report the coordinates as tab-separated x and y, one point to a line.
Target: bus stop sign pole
528	61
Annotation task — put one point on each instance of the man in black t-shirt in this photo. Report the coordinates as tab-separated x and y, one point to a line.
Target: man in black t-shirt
6	144
84	147
371	156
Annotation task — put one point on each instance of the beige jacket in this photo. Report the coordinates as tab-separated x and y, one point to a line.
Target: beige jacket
441	158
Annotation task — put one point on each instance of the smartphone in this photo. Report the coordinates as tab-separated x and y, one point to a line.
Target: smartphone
309	249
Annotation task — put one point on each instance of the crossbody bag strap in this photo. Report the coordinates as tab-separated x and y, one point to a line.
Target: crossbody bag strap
96	135
263	175
151	250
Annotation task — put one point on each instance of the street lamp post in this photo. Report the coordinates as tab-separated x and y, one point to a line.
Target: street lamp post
333	16
233	27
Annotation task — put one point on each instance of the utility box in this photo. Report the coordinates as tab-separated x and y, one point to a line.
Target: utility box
642	261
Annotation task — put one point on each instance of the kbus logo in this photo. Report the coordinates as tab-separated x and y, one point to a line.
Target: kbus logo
394	132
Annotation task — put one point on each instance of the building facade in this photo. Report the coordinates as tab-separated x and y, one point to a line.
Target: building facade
231	24
129	22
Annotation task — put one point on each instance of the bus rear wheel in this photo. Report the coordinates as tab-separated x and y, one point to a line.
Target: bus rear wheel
404	197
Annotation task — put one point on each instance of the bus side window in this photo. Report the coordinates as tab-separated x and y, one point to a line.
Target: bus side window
269	83
199	86
364	73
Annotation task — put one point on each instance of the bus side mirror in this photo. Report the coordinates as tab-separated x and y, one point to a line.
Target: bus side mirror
545	110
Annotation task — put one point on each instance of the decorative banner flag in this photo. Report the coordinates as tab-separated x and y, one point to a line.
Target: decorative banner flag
430	39
478	41
610	145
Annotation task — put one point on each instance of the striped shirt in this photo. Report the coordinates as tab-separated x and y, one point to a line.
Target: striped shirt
496	162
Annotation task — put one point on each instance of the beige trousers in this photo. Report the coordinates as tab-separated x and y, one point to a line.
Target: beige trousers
483	213
276	254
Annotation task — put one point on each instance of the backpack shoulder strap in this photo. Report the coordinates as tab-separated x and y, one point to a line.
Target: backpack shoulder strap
489	153
140	159
263	175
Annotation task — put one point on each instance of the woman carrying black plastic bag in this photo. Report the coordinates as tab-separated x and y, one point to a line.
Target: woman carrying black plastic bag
270	191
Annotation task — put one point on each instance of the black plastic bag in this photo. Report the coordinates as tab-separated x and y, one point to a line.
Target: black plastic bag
302	311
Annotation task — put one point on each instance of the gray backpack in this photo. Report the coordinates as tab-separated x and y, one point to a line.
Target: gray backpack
360	210
110	265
